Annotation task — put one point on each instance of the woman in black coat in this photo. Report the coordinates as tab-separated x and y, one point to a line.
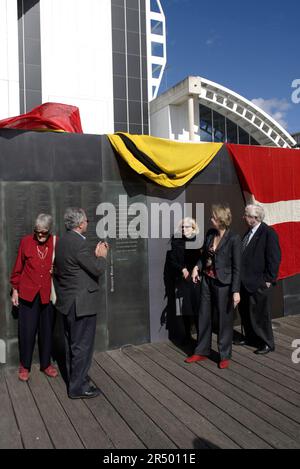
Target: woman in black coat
220	286
182	308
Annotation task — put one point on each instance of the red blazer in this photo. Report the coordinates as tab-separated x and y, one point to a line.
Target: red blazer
31	274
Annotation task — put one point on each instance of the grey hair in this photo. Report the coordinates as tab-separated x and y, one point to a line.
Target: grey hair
256	210
44	221
73	217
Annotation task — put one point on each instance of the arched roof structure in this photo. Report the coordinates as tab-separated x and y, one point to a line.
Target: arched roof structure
244	113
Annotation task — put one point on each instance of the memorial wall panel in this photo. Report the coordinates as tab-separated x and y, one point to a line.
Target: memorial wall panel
127	289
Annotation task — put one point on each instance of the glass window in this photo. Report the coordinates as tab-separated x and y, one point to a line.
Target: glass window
156	69
157	27
205	124
232	131
157	49
244	137
253	141
219	127
154	6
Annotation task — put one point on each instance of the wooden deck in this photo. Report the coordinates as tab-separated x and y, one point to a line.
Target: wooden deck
152	399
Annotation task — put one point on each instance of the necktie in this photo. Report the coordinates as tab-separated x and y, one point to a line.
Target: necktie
246	240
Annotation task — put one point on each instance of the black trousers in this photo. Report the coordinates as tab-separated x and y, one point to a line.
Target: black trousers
34	317
79	346
215	307
255	312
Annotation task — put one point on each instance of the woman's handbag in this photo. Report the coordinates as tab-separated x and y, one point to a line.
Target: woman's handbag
53	293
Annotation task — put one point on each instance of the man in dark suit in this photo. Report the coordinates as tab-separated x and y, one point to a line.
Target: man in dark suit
77	273
261	257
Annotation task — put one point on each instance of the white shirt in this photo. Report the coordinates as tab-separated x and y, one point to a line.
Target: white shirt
253	231
79	234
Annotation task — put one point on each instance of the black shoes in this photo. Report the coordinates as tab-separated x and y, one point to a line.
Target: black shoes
263	350
245	341
91	392
239	342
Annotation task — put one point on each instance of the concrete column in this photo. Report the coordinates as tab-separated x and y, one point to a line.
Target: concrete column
191	113
2	351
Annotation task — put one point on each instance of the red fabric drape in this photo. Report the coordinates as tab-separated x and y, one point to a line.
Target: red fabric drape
272	176
47	116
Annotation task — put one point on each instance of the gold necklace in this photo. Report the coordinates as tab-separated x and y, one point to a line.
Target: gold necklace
42	254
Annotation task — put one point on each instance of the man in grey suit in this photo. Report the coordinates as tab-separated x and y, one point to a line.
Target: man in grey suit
77	273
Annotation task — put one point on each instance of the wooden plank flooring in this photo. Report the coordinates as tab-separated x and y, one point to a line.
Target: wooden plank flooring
152	399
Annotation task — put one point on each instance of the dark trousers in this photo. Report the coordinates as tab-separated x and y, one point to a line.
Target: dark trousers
181	326
34	317
79	345
215	304
256	318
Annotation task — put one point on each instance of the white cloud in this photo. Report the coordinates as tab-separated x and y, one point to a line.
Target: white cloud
212	38
276	108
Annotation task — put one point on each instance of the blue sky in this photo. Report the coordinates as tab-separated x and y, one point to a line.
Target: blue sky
251	47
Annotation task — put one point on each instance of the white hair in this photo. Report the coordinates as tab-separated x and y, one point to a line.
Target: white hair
44	221
256	211
188	221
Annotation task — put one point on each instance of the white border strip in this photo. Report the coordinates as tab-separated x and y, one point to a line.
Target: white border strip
281	212
285	211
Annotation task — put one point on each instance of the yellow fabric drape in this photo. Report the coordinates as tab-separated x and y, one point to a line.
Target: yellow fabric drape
182	160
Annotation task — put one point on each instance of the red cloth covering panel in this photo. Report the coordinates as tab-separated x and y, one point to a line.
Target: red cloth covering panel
272	177
47	116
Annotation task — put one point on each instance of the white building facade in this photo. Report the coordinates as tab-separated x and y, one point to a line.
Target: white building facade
99	55
108	58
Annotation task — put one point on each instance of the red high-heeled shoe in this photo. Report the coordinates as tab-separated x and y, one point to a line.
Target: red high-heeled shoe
23	373
195	358
224	364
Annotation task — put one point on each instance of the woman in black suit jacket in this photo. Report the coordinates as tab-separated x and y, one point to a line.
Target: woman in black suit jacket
220	267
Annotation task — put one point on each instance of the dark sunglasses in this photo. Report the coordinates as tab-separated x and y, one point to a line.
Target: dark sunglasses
43	233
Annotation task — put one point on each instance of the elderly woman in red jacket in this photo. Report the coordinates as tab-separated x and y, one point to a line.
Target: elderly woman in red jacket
31	289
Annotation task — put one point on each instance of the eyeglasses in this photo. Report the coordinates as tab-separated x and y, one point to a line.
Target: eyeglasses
186	226
41	233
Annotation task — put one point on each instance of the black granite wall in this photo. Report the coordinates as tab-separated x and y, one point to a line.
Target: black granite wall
50	171
47	172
